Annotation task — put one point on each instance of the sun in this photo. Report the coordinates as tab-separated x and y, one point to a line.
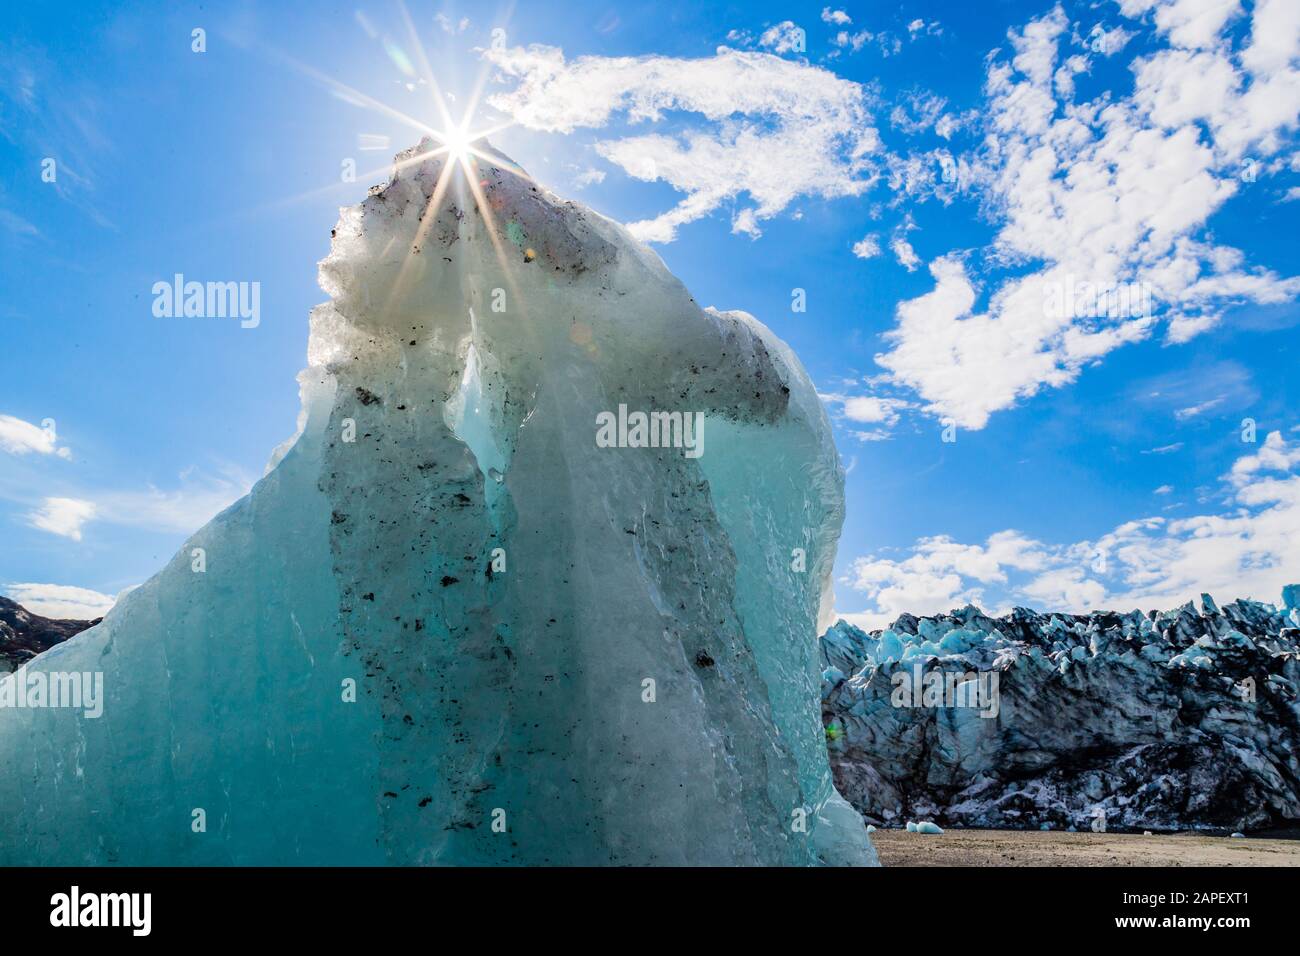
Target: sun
464	144
456	141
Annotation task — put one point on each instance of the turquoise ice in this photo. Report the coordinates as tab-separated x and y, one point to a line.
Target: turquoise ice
446	627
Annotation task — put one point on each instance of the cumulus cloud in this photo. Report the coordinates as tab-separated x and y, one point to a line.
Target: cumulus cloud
769	127
837	17
1112	193
60	600
1249	549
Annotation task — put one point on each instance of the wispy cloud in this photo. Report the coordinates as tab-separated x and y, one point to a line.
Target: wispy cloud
17	226
51	117
196	499
62	516
761	125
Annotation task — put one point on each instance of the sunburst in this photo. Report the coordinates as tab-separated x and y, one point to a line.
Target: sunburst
461	141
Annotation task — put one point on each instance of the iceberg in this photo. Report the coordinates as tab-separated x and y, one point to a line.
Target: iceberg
450	625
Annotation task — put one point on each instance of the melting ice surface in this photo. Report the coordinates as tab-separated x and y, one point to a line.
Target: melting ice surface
444	533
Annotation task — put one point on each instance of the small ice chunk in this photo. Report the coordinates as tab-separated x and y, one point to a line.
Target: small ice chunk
925	826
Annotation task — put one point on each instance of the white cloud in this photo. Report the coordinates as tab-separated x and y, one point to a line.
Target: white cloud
877	410
866	408
1107	42
867	247
904	253
1164	490
590	177
1250	549
1191	411
838	17
1188	23
62	516
773	128
60	601
20	438
855	41
925	111
1111	192
1065	75
919	28
940	574
746	222
784	37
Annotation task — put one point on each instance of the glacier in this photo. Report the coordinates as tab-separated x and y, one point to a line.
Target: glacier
446	627
1174	720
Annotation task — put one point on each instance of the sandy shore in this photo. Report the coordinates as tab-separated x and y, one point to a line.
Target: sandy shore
1059	848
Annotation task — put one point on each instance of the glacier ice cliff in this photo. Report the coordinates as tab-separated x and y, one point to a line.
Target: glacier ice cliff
1186	719
561	653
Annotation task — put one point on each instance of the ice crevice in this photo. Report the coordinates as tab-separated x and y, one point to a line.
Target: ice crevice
636	682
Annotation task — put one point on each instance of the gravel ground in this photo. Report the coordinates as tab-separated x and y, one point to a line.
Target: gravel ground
1059	848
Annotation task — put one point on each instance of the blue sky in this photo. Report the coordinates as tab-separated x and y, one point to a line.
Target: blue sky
929	173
